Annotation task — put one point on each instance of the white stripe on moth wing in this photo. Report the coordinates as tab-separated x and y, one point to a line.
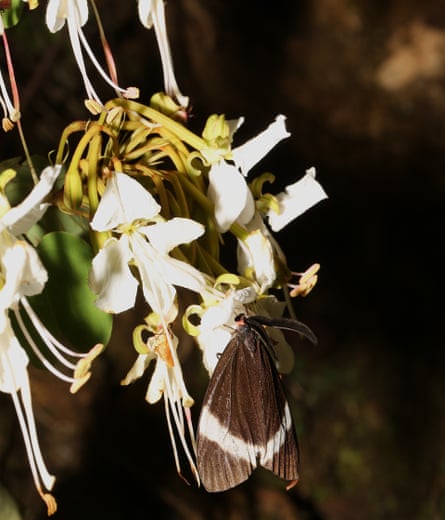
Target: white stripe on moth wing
212	430
275	443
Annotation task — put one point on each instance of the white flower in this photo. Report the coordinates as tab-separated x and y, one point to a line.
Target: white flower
19	219
75	14
258	251
152	13
14	380
167	376
218	324
218	321
167	381
22	274
295	200
228	189
126	208
252	151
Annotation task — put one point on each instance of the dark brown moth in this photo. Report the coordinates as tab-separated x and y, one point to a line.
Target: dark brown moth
245	420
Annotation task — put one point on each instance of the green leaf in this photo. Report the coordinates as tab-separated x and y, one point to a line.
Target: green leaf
12	15
66	306
8	506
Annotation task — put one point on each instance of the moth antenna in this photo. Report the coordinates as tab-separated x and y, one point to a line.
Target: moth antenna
287	324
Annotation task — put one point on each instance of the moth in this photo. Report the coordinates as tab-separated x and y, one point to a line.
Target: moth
245	420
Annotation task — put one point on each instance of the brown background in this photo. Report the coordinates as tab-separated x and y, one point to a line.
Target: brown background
363	87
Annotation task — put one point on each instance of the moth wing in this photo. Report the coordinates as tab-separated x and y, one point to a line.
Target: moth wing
280	452
245	420
224	459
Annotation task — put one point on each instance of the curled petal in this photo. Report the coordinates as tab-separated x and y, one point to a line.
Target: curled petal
19	219
111	279
124	201
145	11
296	199
251	152
57	13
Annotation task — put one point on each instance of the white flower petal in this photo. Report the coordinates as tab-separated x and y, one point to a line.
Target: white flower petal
296	199
138	369
165	236
152	13
229	193
156	386
255	258
14	380
223	313
159	281
251	152
248	212
57	13
213	345
124	201
244	296
12	263
218	322
111	279
34	275
13	362
182	274
5	99
145	11
20	218
158	291
23	272
39	471
160	26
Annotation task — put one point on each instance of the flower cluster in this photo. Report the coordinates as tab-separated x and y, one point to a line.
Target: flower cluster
22	274
156	203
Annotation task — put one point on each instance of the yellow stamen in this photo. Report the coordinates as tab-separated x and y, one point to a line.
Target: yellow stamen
82	371
50	502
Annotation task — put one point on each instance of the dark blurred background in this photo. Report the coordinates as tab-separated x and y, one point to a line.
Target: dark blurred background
363	86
